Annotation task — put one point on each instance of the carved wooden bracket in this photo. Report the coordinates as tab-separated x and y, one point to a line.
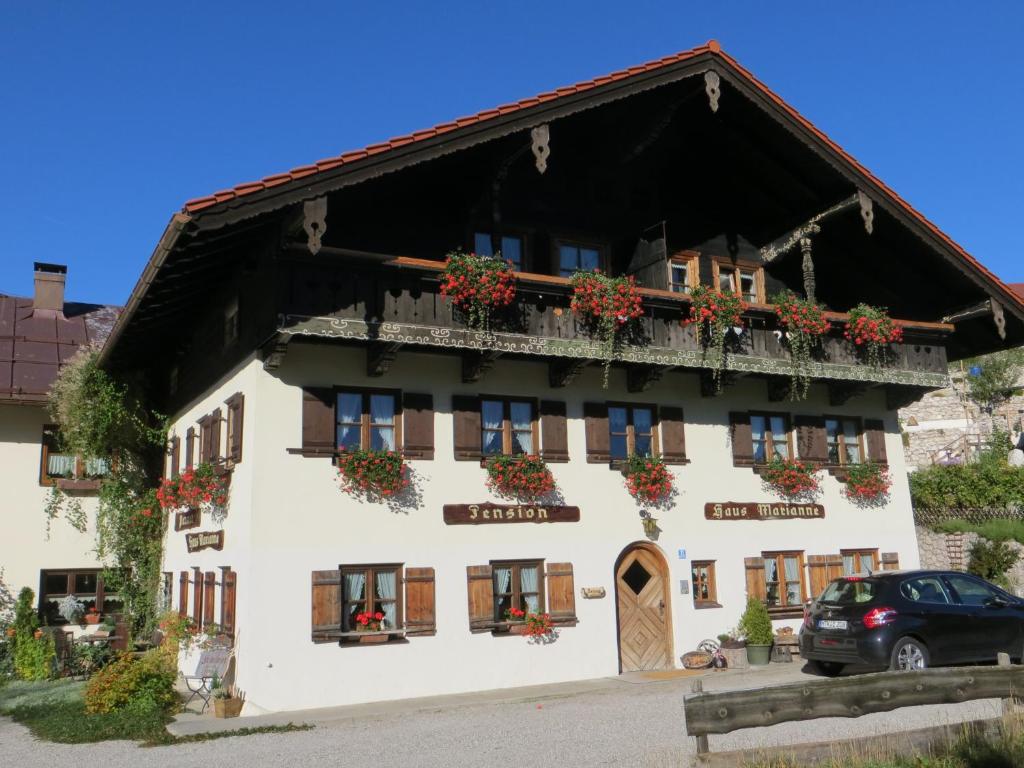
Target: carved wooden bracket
900	396
379	357
810	285
867	211
563	371
314	221
540	136
476	364
713	88
708	388
998	318
779	388
840	392
639	378
274	351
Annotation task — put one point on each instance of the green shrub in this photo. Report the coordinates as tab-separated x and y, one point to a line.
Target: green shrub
991	560
140	685
756	624
34	657
993	530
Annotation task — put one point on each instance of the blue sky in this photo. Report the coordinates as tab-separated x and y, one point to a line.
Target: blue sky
114	113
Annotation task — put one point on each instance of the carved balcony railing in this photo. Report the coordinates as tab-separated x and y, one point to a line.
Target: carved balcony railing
397	303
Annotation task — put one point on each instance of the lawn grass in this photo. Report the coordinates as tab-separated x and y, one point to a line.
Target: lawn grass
55	711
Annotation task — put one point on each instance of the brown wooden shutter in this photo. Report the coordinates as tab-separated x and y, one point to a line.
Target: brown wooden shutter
595	419
417	425
890	561
236	416
811	443
175	457
190	446
229	584
480	587
554	437
818	572
420	616
326	606
833	567
183	594
874	434
755	578
215	422
209	597
319	431
742	439
205	440
673	436
197	596
466	416
561	593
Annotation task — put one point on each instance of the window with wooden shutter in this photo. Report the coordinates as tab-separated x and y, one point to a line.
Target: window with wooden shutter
844	441
741	438
228	594
755	577
810	438
418	426
561	593
874	433
326	606
318	426
595	418
785	587
175	457
890	561
420	618
209	597
508	426
632	429
554	437
467	427
817	574
190	446
205	440
183	594
673	435
859	561
236	420
197	595
480	590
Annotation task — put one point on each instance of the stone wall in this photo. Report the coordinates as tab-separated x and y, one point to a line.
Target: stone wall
952	551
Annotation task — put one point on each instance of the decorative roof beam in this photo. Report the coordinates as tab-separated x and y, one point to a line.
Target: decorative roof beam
314	221
788	242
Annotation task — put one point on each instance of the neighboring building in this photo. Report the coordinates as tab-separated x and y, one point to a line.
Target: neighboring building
37	336
281	319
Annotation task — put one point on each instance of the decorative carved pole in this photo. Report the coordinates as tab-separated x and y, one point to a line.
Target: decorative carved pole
808	265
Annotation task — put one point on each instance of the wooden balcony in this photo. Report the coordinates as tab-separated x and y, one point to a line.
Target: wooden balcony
397	303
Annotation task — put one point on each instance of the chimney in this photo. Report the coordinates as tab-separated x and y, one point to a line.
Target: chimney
49	287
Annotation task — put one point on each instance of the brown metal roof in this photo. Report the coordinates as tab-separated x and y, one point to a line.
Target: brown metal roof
34	345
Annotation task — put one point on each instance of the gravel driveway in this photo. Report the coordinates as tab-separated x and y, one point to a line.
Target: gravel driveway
624	724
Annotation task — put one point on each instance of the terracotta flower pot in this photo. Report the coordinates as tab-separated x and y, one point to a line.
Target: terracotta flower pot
227	707
92	618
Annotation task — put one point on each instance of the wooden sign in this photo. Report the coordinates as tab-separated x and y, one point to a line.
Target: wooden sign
592	593
478	514
736	510
204	540
190	518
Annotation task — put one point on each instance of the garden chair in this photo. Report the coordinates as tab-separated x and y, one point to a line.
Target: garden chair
213	663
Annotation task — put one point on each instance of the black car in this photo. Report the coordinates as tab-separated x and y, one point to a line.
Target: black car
906	620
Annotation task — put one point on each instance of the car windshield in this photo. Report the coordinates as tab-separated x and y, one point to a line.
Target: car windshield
850	591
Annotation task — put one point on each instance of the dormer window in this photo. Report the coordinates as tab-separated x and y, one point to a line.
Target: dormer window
683	273
743	278
511	248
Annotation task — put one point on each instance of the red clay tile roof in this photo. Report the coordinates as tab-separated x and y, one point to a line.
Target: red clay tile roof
711	47
34	346
1018	288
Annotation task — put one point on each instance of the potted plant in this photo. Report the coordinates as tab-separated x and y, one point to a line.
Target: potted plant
71	609
374	475
715	314
733	648
867	483
790	478
478	285
92	616
756	627
871	331
371	622
529	623
225	702
648	479
608	307
802	323
519	476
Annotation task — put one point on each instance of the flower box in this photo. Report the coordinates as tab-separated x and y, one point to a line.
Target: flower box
373	639
227	707
92	617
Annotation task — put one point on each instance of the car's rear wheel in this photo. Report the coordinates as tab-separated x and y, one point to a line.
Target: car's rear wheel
908	654
826	668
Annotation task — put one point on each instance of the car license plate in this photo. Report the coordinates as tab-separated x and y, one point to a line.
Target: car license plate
831	624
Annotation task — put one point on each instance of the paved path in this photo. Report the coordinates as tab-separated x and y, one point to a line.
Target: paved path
626	721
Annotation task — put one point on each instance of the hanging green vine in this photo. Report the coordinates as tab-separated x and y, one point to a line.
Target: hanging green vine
803	323
98	416
609	307
59	503
714	313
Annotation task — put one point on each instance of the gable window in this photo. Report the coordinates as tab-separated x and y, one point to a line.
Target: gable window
573	257
747	280
705	592
58	466
771	437
511	248
85	584
507	427
844	441
683	273
371	589
631	430
518	584
366	420
859	561
783	579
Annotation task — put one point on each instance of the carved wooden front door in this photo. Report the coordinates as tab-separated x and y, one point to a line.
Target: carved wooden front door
641	586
